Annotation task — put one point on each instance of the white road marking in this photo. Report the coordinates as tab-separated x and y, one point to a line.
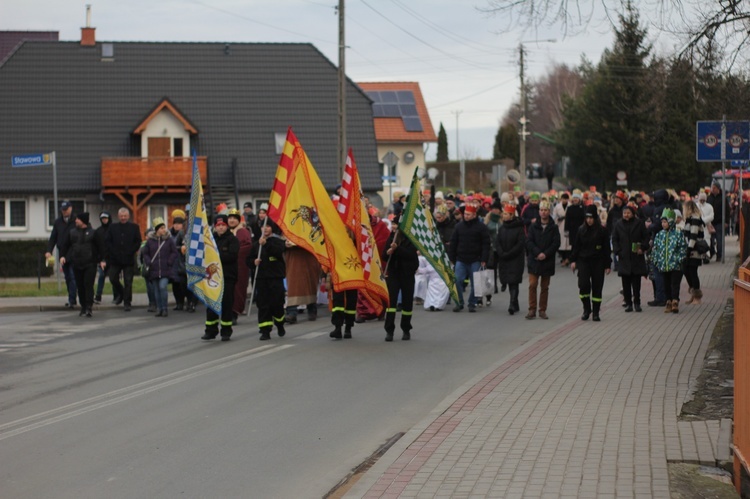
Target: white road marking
312	335
52	416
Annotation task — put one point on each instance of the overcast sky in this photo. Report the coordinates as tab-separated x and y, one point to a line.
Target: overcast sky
456	53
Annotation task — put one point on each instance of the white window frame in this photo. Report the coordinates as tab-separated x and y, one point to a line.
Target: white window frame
162	212
7	227
57	212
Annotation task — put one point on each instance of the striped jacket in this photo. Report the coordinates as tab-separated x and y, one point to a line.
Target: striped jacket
693	231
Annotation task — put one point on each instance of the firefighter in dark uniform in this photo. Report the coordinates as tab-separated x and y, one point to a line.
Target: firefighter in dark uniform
591	257
402	263
229	249
343	312
269	283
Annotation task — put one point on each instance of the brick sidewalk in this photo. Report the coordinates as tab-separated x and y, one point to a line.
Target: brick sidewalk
588	411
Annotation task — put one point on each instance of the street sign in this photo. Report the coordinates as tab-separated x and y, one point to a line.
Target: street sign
722	140
24	160
390	159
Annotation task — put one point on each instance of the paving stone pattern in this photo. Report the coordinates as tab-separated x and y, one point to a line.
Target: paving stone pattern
589	411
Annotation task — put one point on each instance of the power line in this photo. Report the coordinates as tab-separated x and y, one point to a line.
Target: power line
476	93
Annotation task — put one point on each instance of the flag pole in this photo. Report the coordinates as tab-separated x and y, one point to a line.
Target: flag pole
395	241
255	278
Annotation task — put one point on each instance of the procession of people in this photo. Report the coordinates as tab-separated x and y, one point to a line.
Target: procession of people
658	237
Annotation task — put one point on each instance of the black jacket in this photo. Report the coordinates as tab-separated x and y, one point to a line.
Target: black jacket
574	216
624	235
470	242
614	216
83	247
123	240
445	229
542	240
60	230
101	233
591	243
715	201
404	259
229	249
272	265
511	248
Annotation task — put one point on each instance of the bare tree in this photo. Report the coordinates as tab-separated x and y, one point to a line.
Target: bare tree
693	22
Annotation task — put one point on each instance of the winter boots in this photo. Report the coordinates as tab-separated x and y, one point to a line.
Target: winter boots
586	300
673	306
597	307
695	297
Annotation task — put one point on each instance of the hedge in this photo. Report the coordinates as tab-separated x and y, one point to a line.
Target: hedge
20	258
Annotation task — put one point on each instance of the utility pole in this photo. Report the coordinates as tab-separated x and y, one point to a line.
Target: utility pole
522	121
342	92
461	164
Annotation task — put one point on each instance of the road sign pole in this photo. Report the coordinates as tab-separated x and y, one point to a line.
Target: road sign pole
54	215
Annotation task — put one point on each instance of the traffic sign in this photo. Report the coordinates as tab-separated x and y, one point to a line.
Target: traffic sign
722	140
388	178
24	160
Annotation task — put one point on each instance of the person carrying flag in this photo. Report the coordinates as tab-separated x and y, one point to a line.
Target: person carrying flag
401	264
269	283
229	249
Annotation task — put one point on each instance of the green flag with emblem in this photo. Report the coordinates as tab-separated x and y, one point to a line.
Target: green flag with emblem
418	226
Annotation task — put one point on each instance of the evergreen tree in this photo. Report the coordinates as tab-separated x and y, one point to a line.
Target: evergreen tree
442	147
608	127
506	143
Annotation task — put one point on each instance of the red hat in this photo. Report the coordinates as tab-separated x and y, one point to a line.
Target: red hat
509	208
470	208
220	220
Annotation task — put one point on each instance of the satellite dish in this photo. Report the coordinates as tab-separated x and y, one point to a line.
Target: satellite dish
432	173
513	176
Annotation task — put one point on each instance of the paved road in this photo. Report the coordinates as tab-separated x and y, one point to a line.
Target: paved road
128	405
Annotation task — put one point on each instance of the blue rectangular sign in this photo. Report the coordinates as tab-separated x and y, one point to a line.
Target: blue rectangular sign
23	160
722	140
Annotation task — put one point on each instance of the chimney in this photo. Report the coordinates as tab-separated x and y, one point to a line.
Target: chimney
88	37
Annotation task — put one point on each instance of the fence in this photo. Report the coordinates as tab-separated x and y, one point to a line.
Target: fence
742	376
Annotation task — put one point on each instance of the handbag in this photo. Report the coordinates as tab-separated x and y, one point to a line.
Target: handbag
483	282
701	246
146	268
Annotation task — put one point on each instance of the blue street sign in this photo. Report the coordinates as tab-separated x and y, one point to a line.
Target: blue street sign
23	160
722	140
388	178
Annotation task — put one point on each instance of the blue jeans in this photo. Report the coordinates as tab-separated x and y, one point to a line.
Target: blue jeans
102	276
151	291
70	282
464	270
161	292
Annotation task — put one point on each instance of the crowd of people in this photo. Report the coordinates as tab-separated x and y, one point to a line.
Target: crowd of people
661	236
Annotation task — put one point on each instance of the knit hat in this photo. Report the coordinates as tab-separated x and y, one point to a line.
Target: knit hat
263	207
83	217
157	222
221	219
577	195
591	211
439	195
178	216
668	215
247	205
702	196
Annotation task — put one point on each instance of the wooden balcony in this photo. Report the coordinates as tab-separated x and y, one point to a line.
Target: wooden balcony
168	174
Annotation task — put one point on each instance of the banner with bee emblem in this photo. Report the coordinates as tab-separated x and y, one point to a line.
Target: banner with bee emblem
301	207
204	273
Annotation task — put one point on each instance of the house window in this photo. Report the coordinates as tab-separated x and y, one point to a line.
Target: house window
79	206
157	210
177	148
280	138
12	214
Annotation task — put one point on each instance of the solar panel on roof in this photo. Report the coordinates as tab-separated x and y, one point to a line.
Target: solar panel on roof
397	104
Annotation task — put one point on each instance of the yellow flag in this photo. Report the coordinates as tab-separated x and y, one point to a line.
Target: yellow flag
203	265
301	207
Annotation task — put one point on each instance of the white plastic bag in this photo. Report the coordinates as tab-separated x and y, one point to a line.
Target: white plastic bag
483	282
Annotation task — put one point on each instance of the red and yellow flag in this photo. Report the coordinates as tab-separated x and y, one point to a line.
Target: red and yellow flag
355	217
301	207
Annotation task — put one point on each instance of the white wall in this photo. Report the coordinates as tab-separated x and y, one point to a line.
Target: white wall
165	124
404	172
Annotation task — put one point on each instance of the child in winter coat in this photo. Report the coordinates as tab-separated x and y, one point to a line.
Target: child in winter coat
669	252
